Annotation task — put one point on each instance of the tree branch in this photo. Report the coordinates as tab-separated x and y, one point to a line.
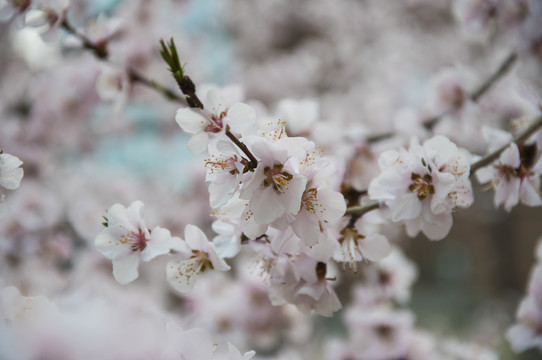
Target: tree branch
100	51
475	96
520	139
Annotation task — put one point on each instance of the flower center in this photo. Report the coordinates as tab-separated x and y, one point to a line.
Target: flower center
422	185
228	164
274	176
215	123
203	259
310	199
136	240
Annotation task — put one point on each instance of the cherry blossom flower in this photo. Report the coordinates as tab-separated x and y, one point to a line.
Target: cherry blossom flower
188	344
361	242
10	171
422	186
126	239
225	168
393	276
10	176
526	333
306	286
299	115
199	254
276	186
514	179
215	117
320	205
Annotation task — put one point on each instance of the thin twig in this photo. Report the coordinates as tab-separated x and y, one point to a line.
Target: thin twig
360	210
502	70
253	161
505	66
520	139
100	51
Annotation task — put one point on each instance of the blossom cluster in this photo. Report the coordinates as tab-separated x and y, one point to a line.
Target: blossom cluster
525	333
340	140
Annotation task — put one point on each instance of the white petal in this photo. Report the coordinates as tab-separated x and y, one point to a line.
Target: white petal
108	243
182	274
125	268
241	116
160	243
10	172
198	143
195	238
375	247
439	229
267	207
529	194
191	121
334	205
214	103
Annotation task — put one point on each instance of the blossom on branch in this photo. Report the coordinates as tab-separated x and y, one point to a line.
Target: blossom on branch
515	175
10	176
422	186
214	118
126	240
198	255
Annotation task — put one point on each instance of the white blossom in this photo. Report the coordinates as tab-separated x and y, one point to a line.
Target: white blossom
424	185
198	256
126	240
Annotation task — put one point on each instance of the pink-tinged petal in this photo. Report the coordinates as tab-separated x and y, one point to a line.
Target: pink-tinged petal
375	247
440	228
117	215
10	172
405	207
160	243
307	227
234	354
135	216
108	243
198	143
507	193
293	194
189	344
529	193
125	268
485	174
250	227
334	205
495	137
267	207
414	226
214	102
443	184
444	150
218	263
510	156
315	290
240	117
220	194
328	303
191	121
195	238
182	274
387	185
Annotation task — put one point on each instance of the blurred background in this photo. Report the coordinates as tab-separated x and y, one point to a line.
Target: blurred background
90	136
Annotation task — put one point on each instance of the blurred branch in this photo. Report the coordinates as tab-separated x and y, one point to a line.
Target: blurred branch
360	210
520	139
100	51
503	69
